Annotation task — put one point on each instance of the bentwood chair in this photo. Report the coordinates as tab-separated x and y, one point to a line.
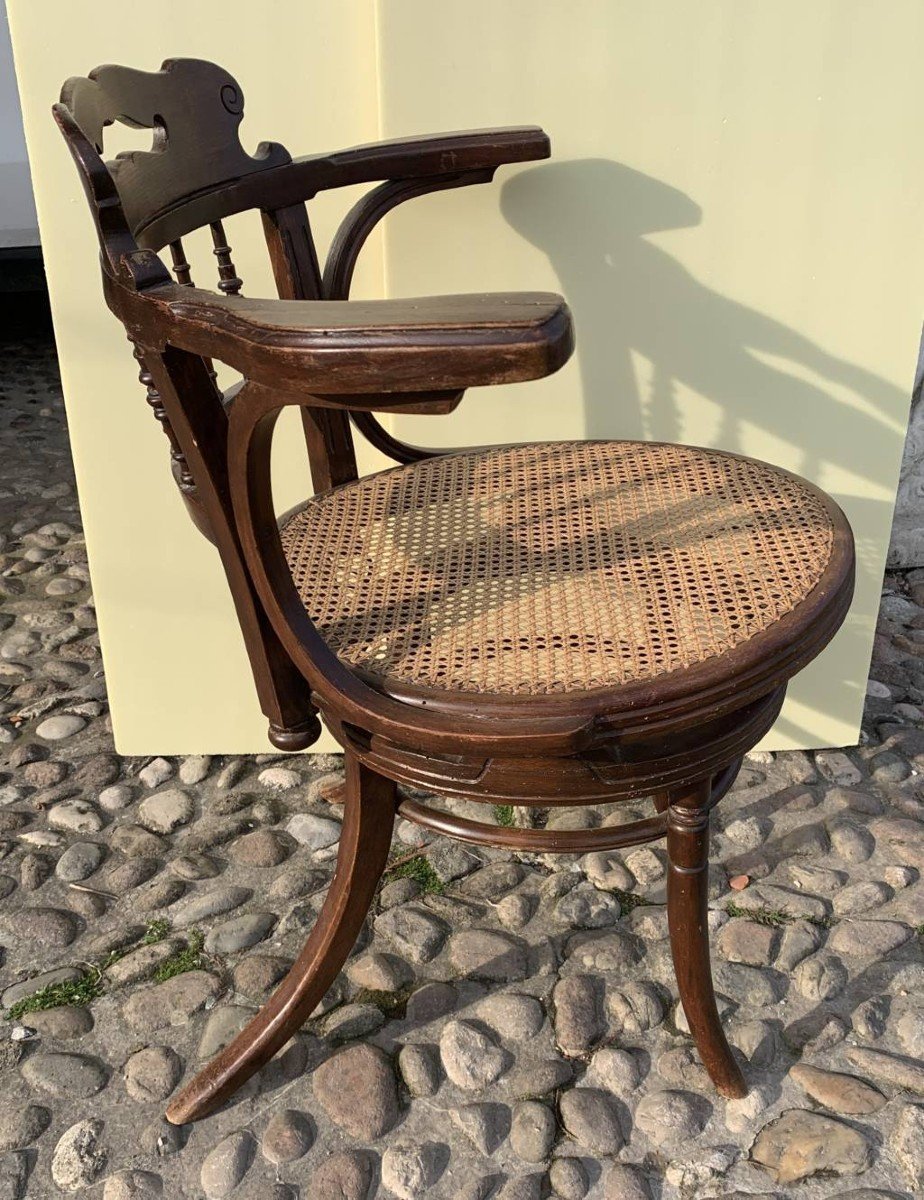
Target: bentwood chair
556	623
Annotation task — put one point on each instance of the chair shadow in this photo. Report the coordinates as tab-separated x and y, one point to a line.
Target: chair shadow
594	218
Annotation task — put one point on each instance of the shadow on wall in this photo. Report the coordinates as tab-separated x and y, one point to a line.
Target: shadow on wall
592	218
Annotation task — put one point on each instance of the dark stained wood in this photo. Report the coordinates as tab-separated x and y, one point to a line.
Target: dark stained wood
331	455
366	214
292	253
368	819
678	738
340	691
181	467
342	256
377	435
638	763
538	841
294	259
193	407
364	348
191	177
559	841
228	281
187	155
181	267
300	180
687	913
115	238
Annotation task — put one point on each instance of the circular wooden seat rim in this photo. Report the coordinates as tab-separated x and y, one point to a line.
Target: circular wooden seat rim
725	680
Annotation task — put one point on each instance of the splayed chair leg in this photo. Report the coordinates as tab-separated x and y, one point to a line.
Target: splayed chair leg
687	896
364	843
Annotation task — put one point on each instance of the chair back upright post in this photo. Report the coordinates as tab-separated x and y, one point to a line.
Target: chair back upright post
298	277
193	110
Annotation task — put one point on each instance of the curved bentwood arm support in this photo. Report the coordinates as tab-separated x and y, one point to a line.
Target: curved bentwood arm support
344	251
338	275
363	217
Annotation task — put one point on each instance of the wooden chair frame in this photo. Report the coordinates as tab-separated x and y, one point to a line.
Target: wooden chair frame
679	739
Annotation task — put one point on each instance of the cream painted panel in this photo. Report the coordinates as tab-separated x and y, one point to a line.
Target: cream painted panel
732	210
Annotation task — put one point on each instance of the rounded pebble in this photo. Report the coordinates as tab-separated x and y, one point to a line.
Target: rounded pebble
56	729
227	1164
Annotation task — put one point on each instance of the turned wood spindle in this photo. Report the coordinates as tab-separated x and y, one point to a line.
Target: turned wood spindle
185	479
228	280
182	270
181	267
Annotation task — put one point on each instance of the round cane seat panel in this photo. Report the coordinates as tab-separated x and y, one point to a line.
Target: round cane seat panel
555	567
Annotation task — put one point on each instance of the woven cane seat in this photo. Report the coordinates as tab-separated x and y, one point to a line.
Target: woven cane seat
555	567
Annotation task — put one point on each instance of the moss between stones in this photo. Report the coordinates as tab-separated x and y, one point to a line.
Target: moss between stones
629	900
391	1004
190	958
78	993
418	869
775	917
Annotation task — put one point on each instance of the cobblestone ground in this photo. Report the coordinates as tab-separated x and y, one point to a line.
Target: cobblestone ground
507	1027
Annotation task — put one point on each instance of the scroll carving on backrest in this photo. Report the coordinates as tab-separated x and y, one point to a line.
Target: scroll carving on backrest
194	108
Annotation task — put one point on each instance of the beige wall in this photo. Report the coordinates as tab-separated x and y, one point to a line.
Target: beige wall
732	210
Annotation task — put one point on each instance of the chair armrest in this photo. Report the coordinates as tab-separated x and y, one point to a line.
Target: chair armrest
411	167
358	348
464	157
433	154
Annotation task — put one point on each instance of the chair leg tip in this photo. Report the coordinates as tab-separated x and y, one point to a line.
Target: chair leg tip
733	1089
183	1109
295	737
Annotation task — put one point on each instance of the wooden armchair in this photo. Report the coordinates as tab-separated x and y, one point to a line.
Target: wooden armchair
541	624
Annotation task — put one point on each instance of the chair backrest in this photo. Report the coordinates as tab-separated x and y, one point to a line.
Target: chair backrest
144	201
194	109
189	179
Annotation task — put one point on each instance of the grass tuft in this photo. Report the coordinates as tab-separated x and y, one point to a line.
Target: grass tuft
420	870
156	931
78	993
629	900
775	917
503	815
190	958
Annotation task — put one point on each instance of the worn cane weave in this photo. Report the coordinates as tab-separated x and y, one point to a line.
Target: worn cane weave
556	566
